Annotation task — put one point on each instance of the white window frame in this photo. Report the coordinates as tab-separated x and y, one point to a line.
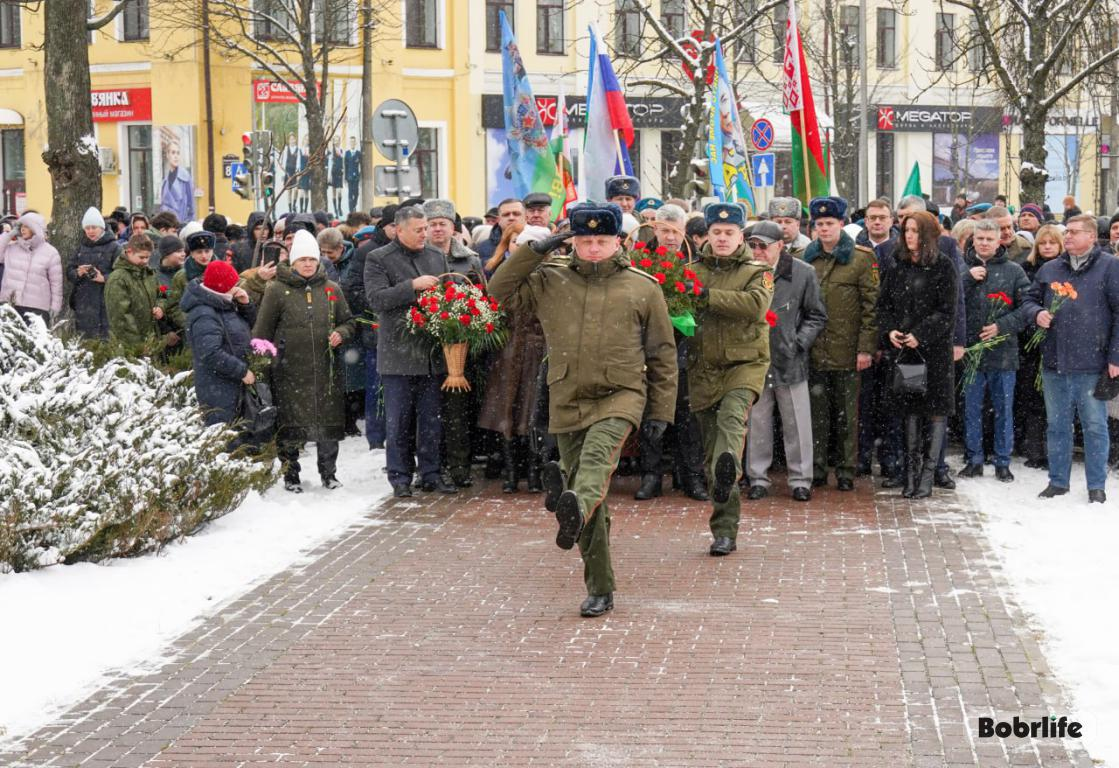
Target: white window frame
352	37
440	26
441	148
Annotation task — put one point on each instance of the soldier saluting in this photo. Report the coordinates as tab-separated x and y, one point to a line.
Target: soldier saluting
610	350
728	358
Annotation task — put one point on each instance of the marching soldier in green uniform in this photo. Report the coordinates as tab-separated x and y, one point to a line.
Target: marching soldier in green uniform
728	358
610	350
848	275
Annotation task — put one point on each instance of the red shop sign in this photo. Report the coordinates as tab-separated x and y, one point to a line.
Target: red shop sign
114	106
275	92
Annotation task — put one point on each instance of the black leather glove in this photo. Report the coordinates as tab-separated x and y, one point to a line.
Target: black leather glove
690	286
549	244
654	429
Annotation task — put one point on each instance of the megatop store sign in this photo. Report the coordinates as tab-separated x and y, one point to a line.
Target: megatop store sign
913	117
645	112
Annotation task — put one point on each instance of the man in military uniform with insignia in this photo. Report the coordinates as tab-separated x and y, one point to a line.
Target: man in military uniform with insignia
785	212
611	360
728	358
848	277
623	191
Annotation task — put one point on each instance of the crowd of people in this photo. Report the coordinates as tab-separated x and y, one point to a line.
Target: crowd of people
826	339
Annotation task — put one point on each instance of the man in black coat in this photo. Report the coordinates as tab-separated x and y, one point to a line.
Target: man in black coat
411	370
353	172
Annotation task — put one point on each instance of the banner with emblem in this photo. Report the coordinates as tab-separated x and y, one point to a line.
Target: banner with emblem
728	162
530	156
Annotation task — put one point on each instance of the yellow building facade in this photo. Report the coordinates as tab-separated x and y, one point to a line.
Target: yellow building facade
440	57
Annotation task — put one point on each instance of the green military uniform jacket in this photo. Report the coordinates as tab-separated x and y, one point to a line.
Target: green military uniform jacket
731	347
849	287
131	293
610	342
298	315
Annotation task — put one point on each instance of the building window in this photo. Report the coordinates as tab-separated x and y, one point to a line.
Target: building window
549	26
15	176
134	21
273	19
887	38
673	17
780	22
670	155
334	21
627	28
945	40
141	187
426	158
421	24
493	22
9	24
848	39
744	46
976	53
884	164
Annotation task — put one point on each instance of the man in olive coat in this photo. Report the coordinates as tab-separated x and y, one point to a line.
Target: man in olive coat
848	275
728	358
610	349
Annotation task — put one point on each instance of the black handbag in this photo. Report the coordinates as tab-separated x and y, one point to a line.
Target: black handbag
1107	388
910	378
256	411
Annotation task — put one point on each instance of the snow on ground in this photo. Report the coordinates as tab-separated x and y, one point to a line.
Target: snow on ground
1060	561
85	622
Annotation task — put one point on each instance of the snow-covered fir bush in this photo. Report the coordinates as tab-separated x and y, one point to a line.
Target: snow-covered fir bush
102	460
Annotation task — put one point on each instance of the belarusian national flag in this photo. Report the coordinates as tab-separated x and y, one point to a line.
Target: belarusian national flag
811	181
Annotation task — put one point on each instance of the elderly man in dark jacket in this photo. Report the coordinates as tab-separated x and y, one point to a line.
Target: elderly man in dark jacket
411	370
1080	348
799	317
994	287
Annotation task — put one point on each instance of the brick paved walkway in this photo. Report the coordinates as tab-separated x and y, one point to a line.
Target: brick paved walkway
851	631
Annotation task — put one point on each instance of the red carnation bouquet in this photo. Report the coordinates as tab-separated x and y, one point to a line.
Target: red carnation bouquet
998	304
677	280
461	318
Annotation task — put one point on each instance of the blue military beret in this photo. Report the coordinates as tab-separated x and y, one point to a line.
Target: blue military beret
648	203
593	218
971	210
199	241
622	185
725	213
828	207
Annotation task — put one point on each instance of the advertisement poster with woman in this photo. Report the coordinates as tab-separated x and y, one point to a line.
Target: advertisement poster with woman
174	169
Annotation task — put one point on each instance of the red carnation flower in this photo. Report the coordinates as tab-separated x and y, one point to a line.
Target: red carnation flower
489	327
660	277
680	255
680	287
1000	296
444	315
661	250
464	319
639	245
632	263
688	274
163	289
475	311
771	318
697	289
666	265
646	263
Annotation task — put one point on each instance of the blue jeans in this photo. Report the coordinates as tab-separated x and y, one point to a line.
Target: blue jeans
374	404
1001	386
414	426
1063	393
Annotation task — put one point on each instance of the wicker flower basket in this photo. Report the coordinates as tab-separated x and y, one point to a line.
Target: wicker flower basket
455	355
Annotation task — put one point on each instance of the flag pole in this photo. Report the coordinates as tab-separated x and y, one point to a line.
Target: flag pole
618	150
804	151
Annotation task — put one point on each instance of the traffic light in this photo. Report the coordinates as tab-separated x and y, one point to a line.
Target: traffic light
267	179
243	181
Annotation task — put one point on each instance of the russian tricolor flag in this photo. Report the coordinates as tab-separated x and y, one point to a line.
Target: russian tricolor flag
609	131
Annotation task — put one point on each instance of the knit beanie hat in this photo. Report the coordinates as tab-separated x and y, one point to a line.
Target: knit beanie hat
1034	211
303	246
168	244
220	276
93	218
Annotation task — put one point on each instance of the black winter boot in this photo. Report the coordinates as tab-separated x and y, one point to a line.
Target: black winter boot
937	433
912	462
650	488
509	467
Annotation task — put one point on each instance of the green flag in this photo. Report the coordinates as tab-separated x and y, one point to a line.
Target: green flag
913	186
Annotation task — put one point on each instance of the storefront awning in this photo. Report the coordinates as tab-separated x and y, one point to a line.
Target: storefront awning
782	128
9	117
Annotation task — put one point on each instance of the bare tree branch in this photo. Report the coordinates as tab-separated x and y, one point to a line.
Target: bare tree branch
97	23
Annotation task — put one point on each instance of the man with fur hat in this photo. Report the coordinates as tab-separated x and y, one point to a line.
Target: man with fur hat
623	191
727	358
848	276
785	212
609	364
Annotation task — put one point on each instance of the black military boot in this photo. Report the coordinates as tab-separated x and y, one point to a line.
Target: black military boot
509	467
535	483
650	488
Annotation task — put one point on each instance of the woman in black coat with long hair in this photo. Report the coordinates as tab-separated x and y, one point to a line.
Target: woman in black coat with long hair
917	311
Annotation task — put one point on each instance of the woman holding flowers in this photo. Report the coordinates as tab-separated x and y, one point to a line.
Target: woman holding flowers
917	315
1074	301
307	318
1029	404
993	288
219	317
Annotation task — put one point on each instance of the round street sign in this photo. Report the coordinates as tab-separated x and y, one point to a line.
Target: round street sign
395	129
761	134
